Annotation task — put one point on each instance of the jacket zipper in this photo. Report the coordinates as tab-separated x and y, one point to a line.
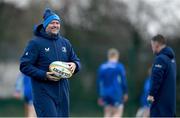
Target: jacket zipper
58	59
55	46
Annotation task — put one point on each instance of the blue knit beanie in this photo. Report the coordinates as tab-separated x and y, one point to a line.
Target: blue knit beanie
49	15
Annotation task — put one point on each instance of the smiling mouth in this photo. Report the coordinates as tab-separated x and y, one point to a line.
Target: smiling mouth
54	28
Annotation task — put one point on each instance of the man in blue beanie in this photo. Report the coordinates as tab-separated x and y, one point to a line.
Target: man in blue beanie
50	96
162	92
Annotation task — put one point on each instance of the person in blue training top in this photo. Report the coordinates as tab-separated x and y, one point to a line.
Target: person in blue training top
23	88
162	92
144	109
112	85
50	96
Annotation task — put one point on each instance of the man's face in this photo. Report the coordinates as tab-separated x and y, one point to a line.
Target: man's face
53	27
114	58
155	46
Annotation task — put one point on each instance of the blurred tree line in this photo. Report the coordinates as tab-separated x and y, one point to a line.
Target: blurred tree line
99	26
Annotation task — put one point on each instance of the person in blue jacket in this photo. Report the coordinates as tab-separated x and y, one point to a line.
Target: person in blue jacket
23	88
112	85
50	96
144	109
162	92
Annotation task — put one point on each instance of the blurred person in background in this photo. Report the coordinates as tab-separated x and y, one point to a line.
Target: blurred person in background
162	92
112	85
50	96
144	109
23	89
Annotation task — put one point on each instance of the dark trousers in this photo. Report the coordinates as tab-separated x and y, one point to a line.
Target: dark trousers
46	106
161	111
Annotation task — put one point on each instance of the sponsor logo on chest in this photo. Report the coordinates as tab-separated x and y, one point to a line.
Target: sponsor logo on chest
158	66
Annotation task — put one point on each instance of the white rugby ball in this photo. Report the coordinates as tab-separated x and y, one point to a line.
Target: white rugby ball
60	69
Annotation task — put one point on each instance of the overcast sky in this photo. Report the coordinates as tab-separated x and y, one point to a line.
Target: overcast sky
155	16
166	14
19	3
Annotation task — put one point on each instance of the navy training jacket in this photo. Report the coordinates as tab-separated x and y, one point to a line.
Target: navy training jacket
163	86
39	53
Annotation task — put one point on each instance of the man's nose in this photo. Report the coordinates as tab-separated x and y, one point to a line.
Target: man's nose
55	25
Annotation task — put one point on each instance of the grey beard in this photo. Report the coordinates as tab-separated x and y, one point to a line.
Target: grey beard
52	34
